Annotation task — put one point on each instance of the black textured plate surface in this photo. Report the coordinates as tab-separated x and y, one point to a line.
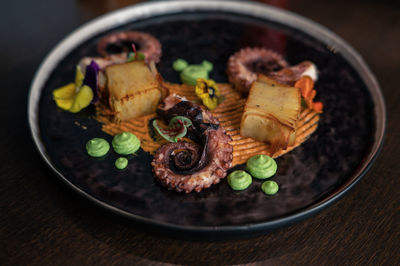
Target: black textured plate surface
310	177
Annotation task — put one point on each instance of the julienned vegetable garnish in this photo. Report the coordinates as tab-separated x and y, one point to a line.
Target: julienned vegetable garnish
207	90
177	128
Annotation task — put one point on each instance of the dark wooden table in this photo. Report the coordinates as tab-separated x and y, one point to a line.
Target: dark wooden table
42	222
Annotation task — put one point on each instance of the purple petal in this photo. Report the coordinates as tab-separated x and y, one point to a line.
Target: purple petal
91	79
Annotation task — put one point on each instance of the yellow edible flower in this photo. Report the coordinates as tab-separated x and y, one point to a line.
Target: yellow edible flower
73	97
208	92
64	96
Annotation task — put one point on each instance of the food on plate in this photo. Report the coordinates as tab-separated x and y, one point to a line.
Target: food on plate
125	143
76	96
306	85
133	90
239	180
271	113
97	147
190	73
270	187
200	163
82	99
290	75
261	166
229	114
121	163
207	90
198	130
245	65
177	128
121	43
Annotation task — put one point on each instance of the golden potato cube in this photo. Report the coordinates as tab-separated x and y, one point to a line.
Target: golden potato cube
271	113
133	90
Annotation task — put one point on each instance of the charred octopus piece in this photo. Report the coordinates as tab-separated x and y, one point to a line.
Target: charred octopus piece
122	41
290	75
186	166
245	65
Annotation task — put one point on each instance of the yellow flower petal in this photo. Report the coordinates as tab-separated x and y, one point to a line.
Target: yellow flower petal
82	99
78	77
210	103
64	92
64	104
208	92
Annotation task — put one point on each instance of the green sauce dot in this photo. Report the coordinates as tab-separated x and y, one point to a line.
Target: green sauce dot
207	65
97	147
239	180
261	166
121	163
270	187
179	65
125	143
190	74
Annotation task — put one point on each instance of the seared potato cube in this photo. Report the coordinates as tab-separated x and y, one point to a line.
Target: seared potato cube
271	113
133	90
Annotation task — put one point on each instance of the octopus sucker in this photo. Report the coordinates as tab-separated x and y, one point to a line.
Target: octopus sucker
192	166
245	65
145	43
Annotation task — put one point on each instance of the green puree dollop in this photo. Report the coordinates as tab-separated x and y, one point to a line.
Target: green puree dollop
121	163
125	143
261	166
97	147
190	73
239	180
270	187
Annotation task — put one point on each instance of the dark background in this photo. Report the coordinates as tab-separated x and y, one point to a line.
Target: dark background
44	222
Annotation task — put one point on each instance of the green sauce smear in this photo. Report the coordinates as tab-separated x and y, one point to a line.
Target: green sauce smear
125	143
121	163
97	147
239	180
270	187
261	166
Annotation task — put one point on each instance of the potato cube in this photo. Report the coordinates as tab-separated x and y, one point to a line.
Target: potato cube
271	113
133	90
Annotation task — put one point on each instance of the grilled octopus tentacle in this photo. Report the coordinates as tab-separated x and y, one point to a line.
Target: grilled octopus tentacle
245	65
186	166
145	43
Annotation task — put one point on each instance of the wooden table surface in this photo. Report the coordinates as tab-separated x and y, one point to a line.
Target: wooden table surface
43	222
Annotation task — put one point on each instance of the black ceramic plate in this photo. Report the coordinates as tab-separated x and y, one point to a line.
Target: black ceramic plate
310	177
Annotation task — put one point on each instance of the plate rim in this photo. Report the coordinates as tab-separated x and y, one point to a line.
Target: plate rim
253	9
